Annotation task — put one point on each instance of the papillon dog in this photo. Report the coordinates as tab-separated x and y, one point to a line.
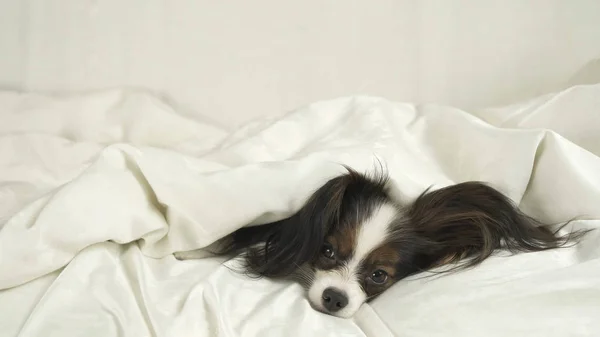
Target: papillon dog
357	241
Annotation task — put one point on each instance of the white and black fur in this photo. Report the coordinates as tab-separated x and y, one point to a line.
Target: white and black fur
358	240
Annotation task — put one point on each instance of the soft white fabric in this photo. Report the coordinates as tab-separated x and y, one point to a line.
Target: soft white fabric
98	190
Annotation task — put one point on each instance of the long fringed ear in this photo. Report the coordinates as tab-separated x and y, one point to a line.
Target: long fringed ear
278	249
467	222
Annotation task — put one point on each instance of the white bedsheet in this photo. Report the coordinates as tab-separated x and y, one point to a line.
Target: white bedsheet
97	190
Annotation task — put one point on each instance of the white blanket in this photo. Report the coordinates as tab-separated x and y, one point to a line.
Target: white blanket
98	190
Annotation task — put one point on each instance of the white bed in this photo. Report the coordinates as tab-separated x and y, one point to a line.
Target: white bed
100	182
89	229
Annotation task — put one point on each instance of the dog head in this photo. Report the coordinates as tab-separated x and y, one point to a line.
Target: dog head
358	241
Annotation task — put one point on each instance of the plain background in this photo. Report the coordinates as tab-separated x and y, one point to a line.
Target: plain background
239	60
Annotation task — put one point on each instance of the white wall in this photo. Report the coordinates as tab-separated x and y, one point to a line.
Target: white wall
237	60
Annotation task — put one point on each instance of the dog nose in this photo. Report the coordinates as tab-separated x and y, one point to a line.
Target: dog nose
334	299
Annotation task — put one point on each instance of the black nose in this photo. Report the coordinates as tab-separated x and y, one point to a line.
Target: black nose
334	299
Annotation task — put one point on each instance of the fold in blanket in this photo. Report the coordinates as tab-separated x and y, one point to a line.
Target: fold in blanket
98	190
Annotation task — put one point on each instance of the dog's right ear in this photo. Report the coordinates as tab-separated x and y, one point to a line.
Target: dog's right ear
277	249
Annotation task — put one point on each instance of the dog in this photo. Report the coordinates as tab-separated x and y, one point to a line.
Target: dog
358	241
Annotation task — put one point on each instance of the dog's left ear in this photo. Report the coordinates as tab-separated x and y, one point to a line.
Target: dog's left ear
467	222
278	249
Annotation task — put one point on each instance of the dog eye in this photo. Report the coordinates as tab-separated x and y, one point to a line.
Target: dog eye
379	276
327	251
